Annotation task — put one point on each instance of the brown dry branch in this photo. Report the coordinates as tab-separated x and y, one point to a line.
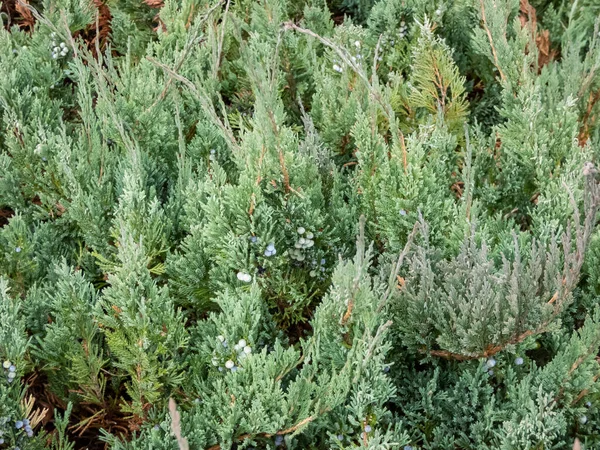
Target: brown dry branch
491	350
5	215
545	53
404	153
103	27
585	392
156	4
360	252
401	282
528	19
458	188
252	204
528	16
284	171
591	349
589	119
35	416
96	418
348	312
27	20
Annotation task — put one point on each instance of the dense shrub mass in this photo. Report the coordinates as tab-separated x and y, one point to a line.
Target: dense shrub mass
292	224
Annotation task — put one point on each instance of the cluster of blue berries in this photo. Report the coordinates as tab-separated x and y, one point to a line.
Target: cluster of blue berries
10	370
25	425
358	57
245	277
491	363
270	250
278	440
316	270
305	241
489	366
212	156
338	66
58	50
403	30
583	419
365	433
20	425
389	41
225	358
344	432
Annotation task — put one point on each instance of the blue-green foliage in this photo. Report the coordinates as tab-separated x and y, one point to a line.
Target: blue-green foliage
312	225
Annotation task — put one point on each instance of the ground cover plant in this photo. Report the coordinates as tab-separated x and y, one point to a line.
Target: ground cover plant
299	224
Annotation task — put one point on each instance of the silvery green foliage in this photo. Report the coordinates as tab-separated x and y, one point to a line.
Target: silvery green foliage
272	391
475	303
180	196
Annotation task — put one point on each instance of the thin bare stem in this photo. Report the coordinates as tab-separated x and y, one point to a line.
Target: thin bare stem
204	100
489	33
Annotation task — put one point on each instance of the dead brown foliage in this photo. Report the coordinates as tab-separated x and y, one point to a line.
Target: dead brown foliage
528	20
18	14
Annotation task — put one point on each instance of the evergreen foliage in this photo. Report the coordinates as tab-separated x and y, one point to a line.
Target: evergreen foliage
299	224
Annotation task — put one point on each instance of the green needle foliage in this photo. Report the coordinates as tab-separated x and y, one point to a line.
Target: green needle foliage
279	224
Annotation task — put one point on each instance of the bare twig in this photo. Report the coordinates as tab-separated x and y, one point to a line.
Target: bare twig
346	58
374	342
176	425
221	39
204	100
489	33
186	50
399	262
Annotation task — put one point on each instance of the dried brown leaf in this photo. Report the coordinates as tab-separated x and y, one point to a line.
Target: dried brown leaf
154	3
528	18
27	20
